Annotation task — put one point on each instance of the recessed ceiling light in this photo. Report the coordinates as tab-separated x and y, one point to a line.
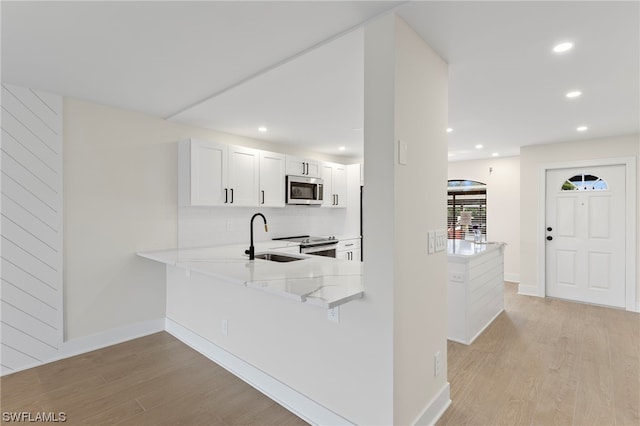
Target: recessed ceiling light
449	130
563	47
342	148
582	128
495	154
262	129
574	94
479	146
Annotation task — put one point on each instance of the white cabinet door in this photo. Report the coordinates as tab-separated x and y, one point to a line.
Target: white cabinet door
335	185
327	179
303	167
272	184
344	255
349	249
204	171
243	176
339	185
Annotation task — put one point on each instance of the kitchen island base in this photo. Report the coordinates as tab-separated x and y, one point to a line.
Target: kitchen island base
476	288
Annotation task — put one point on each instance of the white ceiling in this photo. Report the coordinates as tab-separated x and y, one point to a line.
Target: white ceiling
296	67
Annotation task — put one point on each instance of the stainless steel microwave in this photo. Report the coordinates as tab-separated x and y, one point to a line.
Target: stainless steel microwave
304	190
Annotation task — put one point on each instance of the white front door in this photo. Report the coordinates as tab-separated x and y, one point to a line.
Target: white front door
585	232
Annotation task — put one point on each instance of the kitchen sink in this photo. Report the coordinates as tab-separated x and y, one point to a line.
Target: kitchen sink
278	257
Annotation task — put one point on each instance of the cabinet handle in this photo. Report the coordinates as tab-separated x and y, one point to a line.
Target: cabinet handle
226	195
262	196
348	245
231	195
337	199
307	173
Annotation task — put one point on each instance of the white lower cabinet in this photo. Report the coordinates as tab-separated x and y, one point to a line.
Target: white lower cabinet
349	249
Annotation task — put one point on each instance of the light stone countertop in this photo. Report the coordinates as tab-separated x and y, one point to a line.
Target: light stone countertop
317	280
460	250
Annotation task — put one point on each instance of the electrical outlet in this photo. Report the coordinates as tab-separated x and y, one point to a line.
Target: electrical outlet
457	277
333	314
225	327
437	366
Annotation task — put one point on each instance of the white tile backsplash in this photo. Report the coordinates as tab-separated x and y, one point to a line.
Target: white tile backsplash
210	226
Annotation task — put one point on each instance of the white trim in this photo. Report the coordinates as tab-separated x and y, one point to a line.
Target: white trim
292	400
511	277
528	290
435	409
631	304
101	340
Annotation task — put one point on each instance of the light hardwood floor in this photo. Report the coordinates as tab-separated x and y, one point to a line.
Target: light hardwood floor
154	380
542	362
548	362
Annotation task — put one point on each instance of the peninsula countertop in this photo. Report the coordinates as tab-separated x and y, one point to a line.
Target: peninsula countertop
460	250
317	280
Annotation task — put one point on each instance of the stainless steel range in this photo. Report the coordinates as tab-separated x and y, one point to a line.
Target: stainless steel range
319	246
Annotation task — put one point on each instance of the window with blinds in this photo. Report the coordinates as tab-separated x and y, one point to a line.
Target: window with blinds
470	197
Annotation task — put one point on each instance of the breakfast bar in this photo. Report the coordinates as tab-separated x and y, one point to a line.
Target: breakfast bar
475	288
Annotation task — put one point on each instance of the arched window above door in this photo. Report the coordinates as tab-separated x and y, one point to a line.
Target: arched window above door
584	182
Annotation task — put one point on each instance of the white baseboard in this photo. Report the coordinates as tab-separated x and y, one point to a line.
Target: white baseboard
512	278
436	408
527	290
101	340
110	337
294	401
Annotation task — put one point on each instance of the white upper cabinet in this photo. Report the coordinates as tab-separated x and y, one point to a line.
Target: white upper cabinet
244	169
335	185
272	182
303	167
202	173
215	174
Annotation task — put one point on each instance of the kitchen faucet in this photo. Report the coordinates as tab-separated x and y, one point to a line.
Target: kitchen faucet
251	251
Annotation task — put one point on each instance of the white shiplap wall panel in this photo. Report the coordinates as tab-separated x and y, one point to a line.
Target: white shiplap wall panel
31	300
25	280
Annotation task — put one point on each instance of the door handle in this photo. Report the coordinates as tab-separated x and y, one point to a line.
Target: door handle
549	238
262	196
549	228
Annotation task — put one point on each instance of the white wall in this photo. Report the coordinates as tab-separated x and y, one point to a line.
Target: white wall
532	158
502	176
120	180
406	98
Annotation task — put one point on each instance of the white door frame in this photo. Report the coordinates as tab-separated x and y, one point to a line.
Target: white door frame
630	219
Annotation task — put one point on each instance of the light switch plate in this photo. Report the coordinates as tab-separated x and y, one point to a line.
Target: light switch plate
431	238
441	240
402	152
